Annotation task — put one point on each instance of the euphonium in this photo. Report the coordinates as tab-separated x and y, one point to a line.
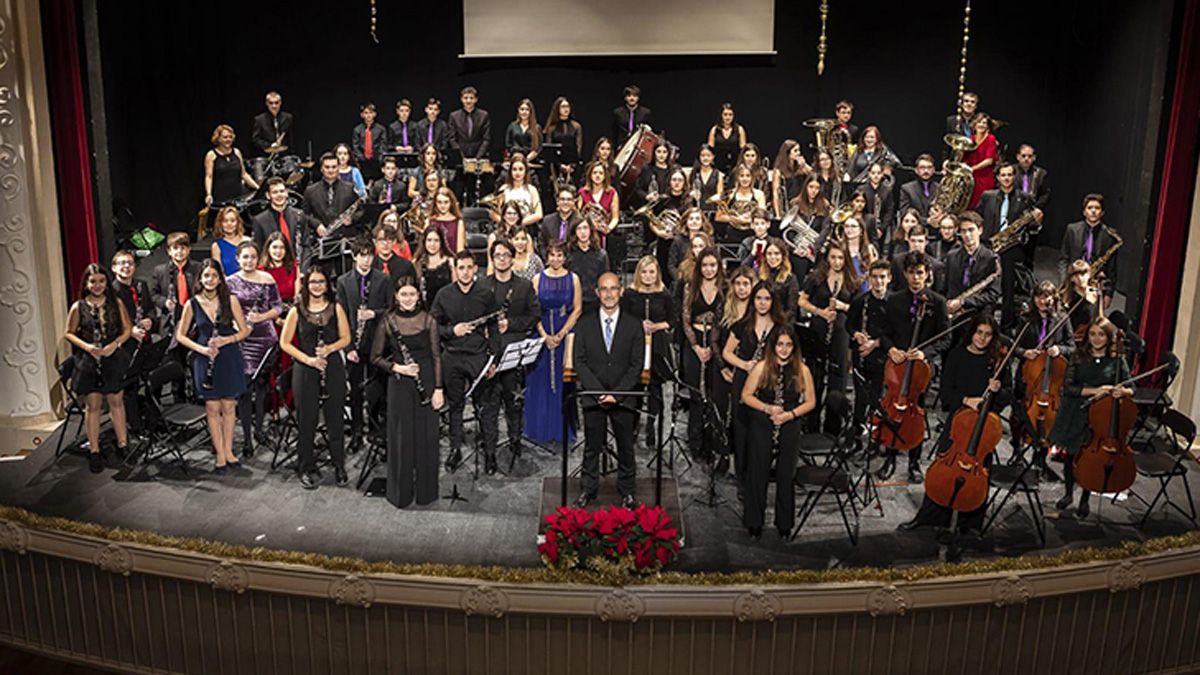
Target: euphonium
596	216
493	202
417	217
664	222
799	235
954	193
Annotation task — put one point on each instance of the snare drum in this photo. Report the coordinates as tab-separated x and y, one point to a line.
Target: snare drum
481	165
258	168
637	152
286	165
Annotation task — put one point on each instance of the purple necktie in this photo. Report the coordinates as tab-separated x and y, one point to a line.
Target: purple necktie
1087	246
1042	332
562	227
404	135
388	199
362	287
913	309
926	186
429	138
966	280
1025	183
631	120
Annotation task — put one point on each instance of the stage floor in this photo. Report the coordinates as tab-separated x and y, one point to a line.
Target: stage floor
498	525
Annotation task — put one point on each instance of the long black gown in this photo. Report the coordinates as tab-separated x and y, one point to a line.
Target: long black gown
412	426
759	448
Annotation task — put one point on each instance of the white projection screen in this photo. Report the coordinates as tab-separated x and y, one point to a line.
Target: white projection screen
519	28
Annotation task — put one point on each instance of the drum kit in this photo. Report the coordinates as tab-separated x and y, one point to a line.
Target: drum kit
290	168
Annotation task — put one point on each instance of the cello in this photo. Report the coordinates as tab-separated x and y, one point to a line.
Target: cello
1043	378
958	479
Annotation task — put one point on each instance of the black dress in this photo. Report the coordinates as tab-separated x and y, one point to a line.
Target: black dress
588	266
226	178
691	323
749	346
228	370
99	326
761	445
661	309
306	383
432	280
725	149
412	426
830	349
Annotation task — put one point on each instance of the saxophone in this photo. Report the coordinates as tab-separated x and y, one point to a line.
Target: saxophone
975	288
1013	234
1095	267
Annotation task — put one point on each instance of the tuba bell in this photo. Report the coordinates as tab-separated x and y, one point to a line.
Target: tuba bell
959	145
958	181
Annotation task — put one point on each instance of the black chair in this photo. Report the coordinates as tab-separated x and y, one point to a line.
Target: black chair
172	430
72	407
824	469
1164	457
1152	399
1006	480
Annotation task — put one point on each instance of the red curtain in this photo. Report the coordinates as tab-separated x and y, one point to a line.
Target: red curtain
1161	300
69	130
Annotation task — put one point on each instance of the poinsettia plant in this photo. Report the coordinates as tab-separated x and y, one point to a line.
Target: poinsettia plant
636	541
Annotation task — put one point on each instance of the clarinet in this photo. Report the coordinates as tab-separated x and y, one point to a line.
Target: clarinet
361	326
778	402
321	343
829	325
408	360
97	333
649	345
212	360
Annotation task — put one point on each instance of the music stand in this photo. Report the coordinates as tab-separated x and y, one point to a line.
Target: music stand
520	354
404	160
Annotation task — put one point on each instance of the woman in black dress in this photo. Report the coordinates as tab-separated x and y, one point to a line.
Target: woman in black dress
787	176
701	308
776	270
314	334
565	130
224	169
523	136
705	180
97	326
588	261
778	391
434	264
217	370
826	295
726	138
648	299
406	347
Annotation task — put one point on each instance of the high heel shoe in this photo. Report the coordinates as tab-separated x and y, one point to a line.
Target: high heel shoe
1064	502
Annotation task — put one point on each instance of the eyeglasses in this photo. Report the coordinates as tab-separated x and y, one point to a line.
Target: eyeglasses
501	254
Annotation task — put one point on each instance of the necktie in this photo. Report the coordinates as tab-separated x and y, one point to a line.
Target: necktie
1025	183
1042	332
385	268
329	194
181	289
404	135
388	198
429	133
283	227
913	310
1087	246
966	279
608	333
362	287
562	227
133	292
1004	211
275	120
925	185
368	146
631	120
470	124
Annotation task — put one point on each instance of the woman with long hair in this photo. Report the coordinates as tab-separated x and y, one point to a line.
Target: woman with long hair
787	176
587	260
872	150
827	174
390	217
705	180
740	200
1041	338
446	217
648	299
517	190
826	295
752	158
562	127
1082	298
523	134
726	137
604	153
257	293
860	253
97	326
777	393
430	164
983	158
434	265
347	172
314	334
229	235
700	318
910	219
406	348
510	223
527	264
776	270
219	369
598	196
697	242
652	181
561	302
692	221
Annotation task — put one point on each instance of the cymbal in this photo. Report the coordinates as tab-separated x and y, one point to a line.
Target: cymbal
295	177
276	149
307	165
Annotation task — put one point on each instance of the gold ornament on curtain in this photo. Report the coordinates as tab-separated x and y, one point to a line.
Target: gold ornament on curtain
821	42
962	67
374	22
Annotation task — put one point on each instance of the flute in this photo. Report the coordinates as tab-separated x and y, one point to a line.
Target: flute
648	347
553	385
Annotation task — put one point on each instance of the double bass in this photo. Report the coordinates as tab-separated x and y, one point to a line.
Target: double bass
1043	378
900	424
958	478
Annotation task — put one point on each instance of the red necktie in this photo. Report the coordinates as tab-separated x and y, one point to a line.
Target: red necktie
181	289
283	227
385	268
368	148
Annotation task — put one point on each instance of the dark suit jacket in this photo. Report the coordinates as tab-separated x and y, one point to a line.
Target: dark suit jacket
913	195
318	208
898	331
380	142
263	133
163	286
379	296
550	226
1039	188
474	144
524	311
620	123
599	369
887	202
396	134
377	193
145	302
984	264
441	135
267	223
1073	245
989	208
397	267
954	125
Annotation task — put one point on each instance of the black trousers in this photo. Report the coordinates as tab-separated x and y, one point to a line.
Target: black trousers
356	388
1008	284
306	386
868	392
699	409
596	419
759	449
511	394
832	371
459	371
251	408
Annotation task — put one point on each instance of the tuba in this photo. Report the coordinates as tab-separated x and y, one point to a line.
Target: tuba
958	181
798	233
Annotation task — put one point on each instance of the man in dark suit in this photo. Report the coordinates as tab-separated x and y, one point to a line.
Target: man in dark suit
559	225
324	201
1031	178
918	240
626	118
403	132
966	266
134	294
1001	207
470	128
920	192
843	111
1089	239
368	142
364	293
431	130
174	279
960	122
279	216
608	357
522	312
273	127
390	188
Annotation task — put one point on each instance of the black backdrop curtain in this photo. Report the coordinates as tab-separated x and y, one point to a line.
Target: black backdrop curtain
1076	78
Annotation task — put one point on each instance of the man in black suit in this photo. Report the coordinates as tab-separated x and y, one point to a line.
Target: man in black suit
1031	178
918	240
608	357
279	216
470	128
521	313
134	294
386	260
1000	207
559	225
628	117
403	132
364	293
968	265
920	192
390	188
960	122
1089	239
368	142
843	111
273	127
900	330
431	130
174	279
324	201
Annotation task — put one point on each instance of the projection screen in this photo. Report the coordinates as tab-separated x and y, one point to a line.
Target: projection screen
504	28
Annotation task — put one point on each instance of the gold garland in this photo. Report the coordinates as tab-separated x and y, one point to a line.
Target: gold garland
821	42
962	66
613	577
373	23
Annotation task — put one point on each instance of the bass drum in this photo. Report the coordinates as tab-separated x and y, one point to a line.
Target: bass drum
637	152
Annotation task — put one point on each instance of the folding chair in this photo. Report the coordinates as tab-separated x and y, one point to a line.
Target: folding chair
1009	479
822	470
1164	457
173	430
72	406
1152	400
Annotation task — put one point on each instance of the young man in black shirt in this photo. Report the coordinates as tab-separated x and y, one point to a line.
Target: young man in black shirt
364	293
368	142
403	132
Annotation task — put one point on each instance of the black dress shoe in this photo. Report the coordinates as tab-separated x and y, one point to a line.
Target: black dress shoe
1064	502
1084	507
248	448
95	462
755	532
1047	474
308	481
489	465
915	475
783	533
583	500
628	502
908	525
339	476
887	469
454	460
